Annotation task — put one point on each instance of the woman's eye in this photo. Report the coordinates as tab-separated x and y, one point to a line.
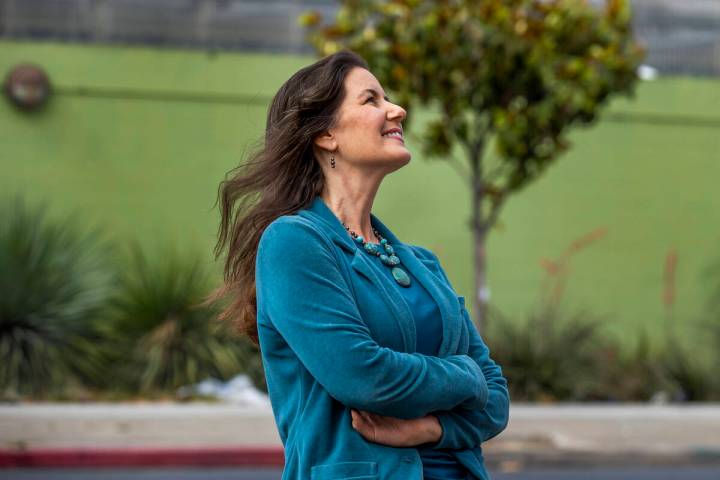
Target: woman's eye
370	99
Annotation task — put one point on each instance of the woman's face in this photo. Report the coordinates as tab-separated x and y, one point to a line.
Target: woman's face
368	130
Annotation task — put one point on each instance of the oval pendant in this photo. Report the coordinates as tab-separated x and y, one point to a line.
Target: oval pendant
401	276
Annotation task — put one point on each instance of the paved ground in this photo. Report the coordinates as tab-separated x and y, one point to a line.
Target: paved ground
559	436
643	473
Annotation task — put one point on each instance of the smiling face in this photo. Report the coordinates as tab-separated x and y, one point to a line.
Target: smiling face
368	129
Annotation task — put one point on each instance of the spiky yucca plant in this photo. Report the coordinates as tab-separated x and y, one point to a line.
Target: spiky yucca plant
53	279
160	336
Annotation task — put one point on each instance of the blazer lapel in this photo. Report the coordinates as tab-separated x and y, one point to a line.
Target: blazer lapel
320	214
397	304
443	295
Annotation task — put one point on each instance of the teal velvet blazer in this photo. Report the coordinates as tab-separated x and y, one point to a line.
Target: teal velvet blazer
334	335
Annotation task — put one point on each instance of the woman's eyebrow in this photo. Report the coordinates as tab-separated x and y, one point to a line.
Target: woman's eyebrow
373	92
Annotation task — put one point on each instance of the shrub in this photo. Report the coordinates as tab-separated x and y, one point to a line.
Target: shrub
691	380
54	277
690	374
159	337
553	355
684	365
629	375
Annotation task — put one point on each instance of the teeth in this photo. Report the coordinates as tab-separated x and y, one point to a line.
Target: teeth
393	134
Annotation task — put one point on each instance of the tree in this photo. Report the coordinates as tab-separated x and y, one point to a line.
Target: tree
517	73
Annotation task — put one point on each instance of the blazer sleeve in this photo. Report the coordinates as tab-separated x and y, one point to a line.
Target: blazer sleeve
469	427
303	294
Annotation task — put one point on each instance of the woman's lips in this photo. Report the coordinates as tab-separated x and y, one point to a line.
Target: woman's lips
395	137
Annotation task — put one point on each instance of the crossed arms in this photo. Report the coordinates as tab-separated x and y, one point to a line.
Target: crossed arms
301	290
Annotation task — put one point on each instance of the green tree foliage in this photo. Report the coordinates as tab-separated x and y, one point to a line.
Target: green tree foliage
517	72
54	279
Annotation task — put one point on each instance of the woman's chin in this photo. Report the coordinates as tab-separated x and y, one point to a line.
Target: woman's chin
399	161
400	152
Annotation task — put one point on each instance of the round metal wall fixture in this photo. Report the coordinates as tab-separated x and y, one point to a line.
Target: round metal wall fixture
27	86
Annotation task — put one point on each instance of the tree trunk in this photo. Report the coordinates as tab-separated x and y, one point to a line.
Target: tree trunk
481	296
479	229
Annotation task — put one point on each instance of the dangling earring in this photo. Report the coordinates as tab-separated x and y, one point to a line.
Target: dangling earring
332	162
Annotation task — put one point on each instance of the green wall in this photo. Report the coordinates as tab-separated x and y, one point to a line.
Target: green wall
148	168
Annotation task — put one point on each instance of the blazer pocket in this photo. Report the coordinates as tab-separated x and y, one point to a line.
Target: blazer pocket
345	471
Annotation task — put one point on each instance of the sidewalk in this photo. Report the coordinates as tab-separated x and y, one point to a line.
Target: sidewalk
197	433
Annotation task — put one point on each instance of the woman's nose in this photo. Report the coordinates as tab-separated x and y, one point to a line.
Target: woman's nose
396	111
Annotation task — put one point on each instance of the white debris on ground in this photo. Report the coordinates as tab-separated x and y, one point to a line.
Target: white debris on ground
239	390
646	72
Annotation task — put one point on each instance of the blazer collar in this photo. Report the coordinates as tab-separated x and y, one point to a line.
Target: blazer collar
443	294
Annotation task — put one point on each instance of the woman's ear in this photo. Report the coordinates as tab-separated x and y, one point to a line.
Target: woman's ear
326	141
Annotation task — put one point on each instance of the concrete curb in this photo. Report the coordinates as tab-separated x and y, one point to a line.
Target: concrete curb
219	434
142	457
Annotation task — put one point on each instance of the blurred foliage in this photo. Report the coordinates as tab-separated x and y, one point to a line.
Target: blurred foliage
159	337
551	356
558	356
557	270
54	279
689	378
523	70
632	375
517	73
72	327
694	379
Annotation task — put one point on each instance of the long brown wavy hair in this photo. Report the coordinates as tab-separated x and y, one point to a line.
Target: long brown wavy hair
279	178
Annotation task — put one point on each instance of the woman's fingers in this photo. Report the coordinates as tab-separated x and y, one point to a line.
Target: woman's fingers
357	419
363	425
369	418
390	431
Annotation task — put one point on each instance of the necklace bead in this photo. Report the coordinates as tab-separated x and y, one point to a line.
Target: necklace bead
388	257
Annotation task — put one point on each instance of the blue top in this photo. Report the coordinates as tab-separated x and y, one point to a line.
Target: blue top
336	334
428	324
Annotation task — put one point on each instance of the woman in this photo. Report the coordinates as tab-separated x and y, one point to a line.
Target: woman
373	366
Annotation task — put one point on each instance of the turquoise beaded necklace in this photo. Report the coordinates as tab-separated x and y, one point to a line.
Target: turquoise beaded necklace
390	260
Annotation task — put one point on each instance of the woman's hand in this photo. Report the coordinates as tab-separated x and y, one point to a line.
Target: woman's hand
396	432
